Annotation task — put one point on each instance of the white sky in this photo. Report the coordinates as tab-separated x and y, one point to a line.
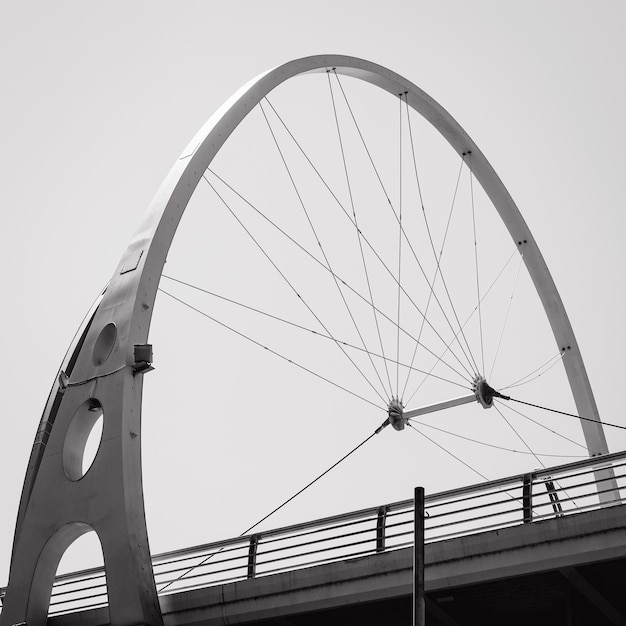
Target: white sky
99	99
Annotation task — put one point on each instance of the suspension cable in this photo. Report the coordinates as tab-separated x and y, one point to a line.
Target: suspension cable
319	243
377	255
343	458
496	447
506	316
278	354
518	435
447	451
408	241
530	419
295	291
542	369
306	329
437	257
480	316
362	237
354	291
280	506
578	417
356	225
469	317
536	457
399	250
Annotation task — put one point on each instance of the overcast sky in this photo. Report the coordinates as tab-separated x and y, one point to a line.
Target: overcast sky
99	99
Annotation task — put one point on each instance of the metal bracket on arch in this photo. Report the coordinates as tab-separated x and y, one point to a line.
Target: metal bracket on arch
143	358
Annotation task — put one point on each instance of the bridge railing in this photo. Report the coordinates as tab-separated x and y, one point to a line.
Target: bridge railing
524	498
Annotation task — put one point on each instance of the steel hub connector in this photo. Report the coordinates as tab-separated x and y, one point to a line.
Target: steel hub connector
396	414
483	392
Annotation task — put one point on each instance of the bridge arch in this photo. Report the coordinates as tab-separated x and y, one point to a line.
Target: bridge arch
109	356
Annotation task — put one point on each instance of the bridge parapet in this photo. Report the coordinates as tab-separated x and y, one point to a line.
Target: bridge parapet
521	499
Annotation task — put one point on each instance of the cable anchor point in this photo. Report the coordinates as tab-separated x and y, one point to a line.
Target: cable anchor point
484	393
395	416
395	412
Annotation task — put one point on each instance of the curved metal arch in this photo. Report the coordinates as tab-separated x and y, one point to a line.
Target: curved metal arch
53	551
159	225
110	497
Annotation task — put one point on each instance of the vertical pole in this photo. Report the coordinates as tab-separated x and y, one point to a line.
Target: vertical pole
419	606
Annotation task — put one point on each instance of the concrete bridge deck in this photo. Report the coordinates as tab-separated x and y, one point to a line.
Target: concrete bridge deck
541	548
566	570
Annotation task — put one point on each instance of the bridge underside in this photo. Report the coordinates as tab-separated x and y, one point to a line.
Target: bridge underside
568	570
550	598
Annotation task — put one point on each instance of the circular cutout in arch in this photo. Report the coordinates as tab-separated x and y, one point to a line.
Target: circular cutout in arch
104	344
83	439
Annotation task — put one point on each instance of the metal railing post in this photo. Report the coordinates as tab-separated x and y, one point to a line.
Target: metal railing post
527	498
254	542
381	520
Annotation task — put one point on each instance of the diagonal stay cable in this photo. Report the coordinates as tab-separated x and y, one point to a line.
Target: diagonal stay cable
518	435
447	451
454	456
536	457
274	352
539	371
437	268
343	458
469	317
480	315
504	491
300	327
407	239
399	250
437	257
470	360
316	260
506	316
370	246
530	419
432	284
356	225
292	287
276	509
319	243
573	501
578	417
491	445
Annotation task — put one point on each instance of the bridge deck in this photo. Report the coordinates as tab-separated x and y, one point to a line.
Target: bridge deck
545	539
530	571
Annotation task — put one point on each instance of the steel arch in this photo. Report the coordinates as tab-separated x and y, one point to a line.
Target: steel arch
102	365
